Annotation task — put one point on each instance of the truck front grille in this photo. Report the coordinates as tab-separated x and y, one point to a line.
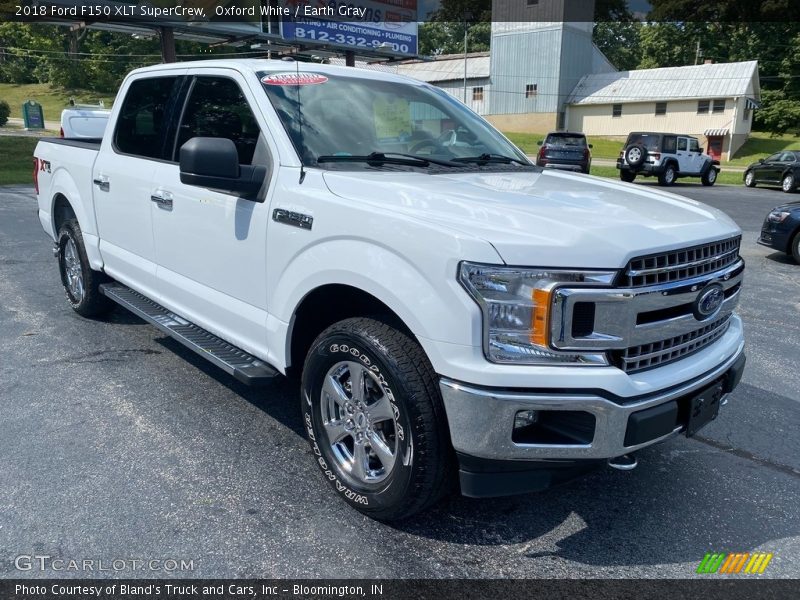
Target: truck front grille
678	265
639	358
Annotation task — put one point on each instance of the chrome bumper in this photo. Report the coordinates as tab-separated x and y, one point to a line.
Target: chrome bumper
481	420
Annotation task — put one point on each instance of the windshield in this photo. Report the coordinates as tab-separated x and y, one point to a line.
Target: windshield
354	116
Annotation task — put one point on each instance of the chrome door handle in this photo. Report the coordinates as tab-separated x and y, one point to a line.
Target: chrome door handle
102	182
164	199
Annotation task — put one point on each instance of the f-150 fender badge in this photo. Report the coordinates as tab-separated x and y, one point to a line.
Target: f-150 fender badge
294	79
281	215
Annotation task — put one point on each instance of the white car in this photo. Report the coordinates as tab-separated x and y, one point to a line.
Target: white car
84	122
458	316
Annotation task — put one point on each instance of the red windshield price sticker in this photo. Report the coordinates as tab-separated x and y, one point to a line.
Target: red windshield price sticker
294	79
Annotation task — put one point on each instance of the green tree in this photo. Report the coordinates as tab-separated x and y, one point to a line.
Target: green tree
620	42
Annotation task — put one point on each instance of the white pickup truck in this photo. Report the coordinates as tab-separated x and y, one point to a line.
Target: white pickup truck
459	317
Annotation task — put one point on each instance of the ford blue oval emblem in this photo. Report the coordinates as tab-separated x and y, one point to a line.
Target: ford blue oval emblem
709	301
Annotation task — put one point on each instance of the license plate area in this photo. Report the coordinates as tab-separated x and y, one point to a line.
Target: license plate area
704	408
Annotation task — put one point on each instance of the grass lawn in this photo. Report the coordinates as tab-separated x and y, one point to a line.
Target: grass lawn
760	145
17	165
53	100
612	173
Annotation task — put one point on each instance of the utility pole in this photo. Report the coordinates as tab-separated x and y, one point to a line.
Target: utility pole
167	44
467	16
697	53
349	58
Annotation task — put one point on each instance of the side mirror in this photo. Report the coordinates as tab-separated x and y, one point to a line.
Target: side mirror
760	161
539	143
700	150
590	146
214	163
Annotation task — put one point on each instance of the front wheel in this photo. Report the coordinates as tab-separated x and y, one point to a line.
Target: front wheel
795	248
750	179
709	177
667	177
81	283
375	419
788	184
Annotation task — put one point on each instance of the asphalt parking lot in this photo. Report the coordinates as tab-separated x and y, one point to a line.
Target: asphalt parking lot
119	444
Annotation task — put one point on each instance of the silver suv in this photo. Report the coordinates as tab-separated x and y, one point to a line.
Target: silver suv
667	156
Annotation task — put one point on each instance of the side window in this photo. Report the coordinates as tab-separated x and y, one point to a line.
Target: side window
682	144
669	144
693	145
773	157
141	124
216	107
787	157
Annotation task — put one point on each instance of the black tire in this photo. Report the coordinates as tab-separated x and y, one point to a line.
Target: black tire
635	155
90	302
627	176
750	179
794	247
788	183
395	370
668	176
709	177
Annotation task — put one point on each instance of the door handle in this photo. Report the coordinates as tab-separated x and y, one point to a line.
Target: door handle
102	182
163	199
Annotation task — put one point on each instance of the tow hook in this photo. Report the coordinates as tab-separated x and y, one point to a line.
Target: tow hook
626	462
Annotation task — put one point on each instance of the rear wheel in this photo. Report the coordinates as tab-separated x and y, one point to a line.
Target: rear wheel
750	179
627	176
788	183
668	175
81	283
375	419
709	177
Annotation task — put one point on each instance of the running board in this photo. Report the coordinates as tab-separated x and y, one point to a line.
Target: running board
243	366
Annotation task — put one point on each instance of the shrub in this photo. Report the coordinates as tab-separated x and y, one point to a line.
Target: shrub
4	112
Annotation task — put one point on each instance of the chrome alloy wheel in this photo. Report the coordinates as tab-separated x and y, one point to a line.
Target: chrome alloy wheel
788	183
360	422
748	179
73	272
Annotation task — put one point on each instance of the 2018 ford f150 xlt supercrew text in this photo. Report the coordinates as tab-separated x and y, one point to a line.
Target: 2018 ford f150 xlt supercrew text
457	315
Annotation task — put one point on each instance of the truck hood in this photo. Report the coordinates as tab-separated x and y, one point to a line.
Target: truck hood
544	218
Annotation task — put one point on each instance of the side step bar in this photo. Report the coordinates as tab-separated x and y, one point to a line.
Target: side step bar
243	366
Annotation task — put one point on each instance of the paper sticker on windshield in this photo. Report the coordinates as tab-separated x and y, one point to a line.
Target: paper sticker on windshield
294	79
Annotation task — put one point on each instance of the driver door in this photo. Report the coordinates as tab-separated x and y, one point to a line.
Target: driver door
211	246
684	158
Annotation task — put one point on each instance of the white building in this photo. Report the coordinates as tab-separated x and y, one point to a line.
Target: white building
714	101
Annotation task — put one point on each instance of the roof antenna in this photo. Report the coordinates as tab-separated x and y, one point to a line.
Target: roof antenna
300	124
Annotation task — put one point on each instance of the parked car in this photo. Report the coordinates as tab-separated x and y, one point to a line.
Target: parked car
781	168
781	230
456	318
84	122
668	156
565	150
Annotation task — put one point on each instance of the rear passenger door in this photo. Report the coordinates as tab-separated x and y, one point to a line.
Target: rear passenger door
210	245
123	174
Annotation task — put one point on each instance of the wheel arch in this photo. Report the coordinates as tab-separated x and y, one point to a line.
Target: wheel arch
327	304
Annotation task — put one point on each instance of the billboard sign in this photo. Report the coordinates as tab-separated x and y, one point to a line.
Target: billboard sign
390	25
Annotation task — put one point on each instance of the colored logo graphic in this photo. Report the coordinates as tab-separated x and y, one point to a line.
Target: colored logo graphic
737	562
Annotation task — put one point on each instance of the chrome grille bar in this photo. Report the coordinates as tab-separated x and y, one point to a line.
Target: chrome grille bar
685	263
639	358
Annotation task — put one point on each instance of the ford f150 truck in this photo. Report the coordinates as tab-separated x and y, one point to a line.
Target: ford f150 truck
457	316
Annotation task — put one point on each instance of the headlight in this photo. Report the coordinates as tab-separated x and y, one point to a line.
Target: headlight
516	305
777	216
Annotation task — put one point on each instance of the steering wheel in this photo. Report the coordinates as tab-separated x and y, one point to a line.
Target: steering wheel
434	144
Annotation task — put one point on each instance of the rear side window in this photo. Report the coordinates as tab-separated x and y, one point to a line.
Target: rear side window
141	124
217	108
670	144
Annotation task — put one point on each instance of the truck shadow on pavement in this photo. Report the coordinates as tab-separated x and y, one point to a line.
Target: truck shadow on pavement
685	499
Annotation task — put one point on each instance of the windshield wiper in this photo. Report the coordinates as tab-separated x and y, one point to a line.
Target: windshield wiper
492	158
392	158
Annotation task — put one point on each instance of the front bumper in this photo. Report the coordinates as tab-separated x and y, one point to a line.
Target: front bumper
774	236
481	419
